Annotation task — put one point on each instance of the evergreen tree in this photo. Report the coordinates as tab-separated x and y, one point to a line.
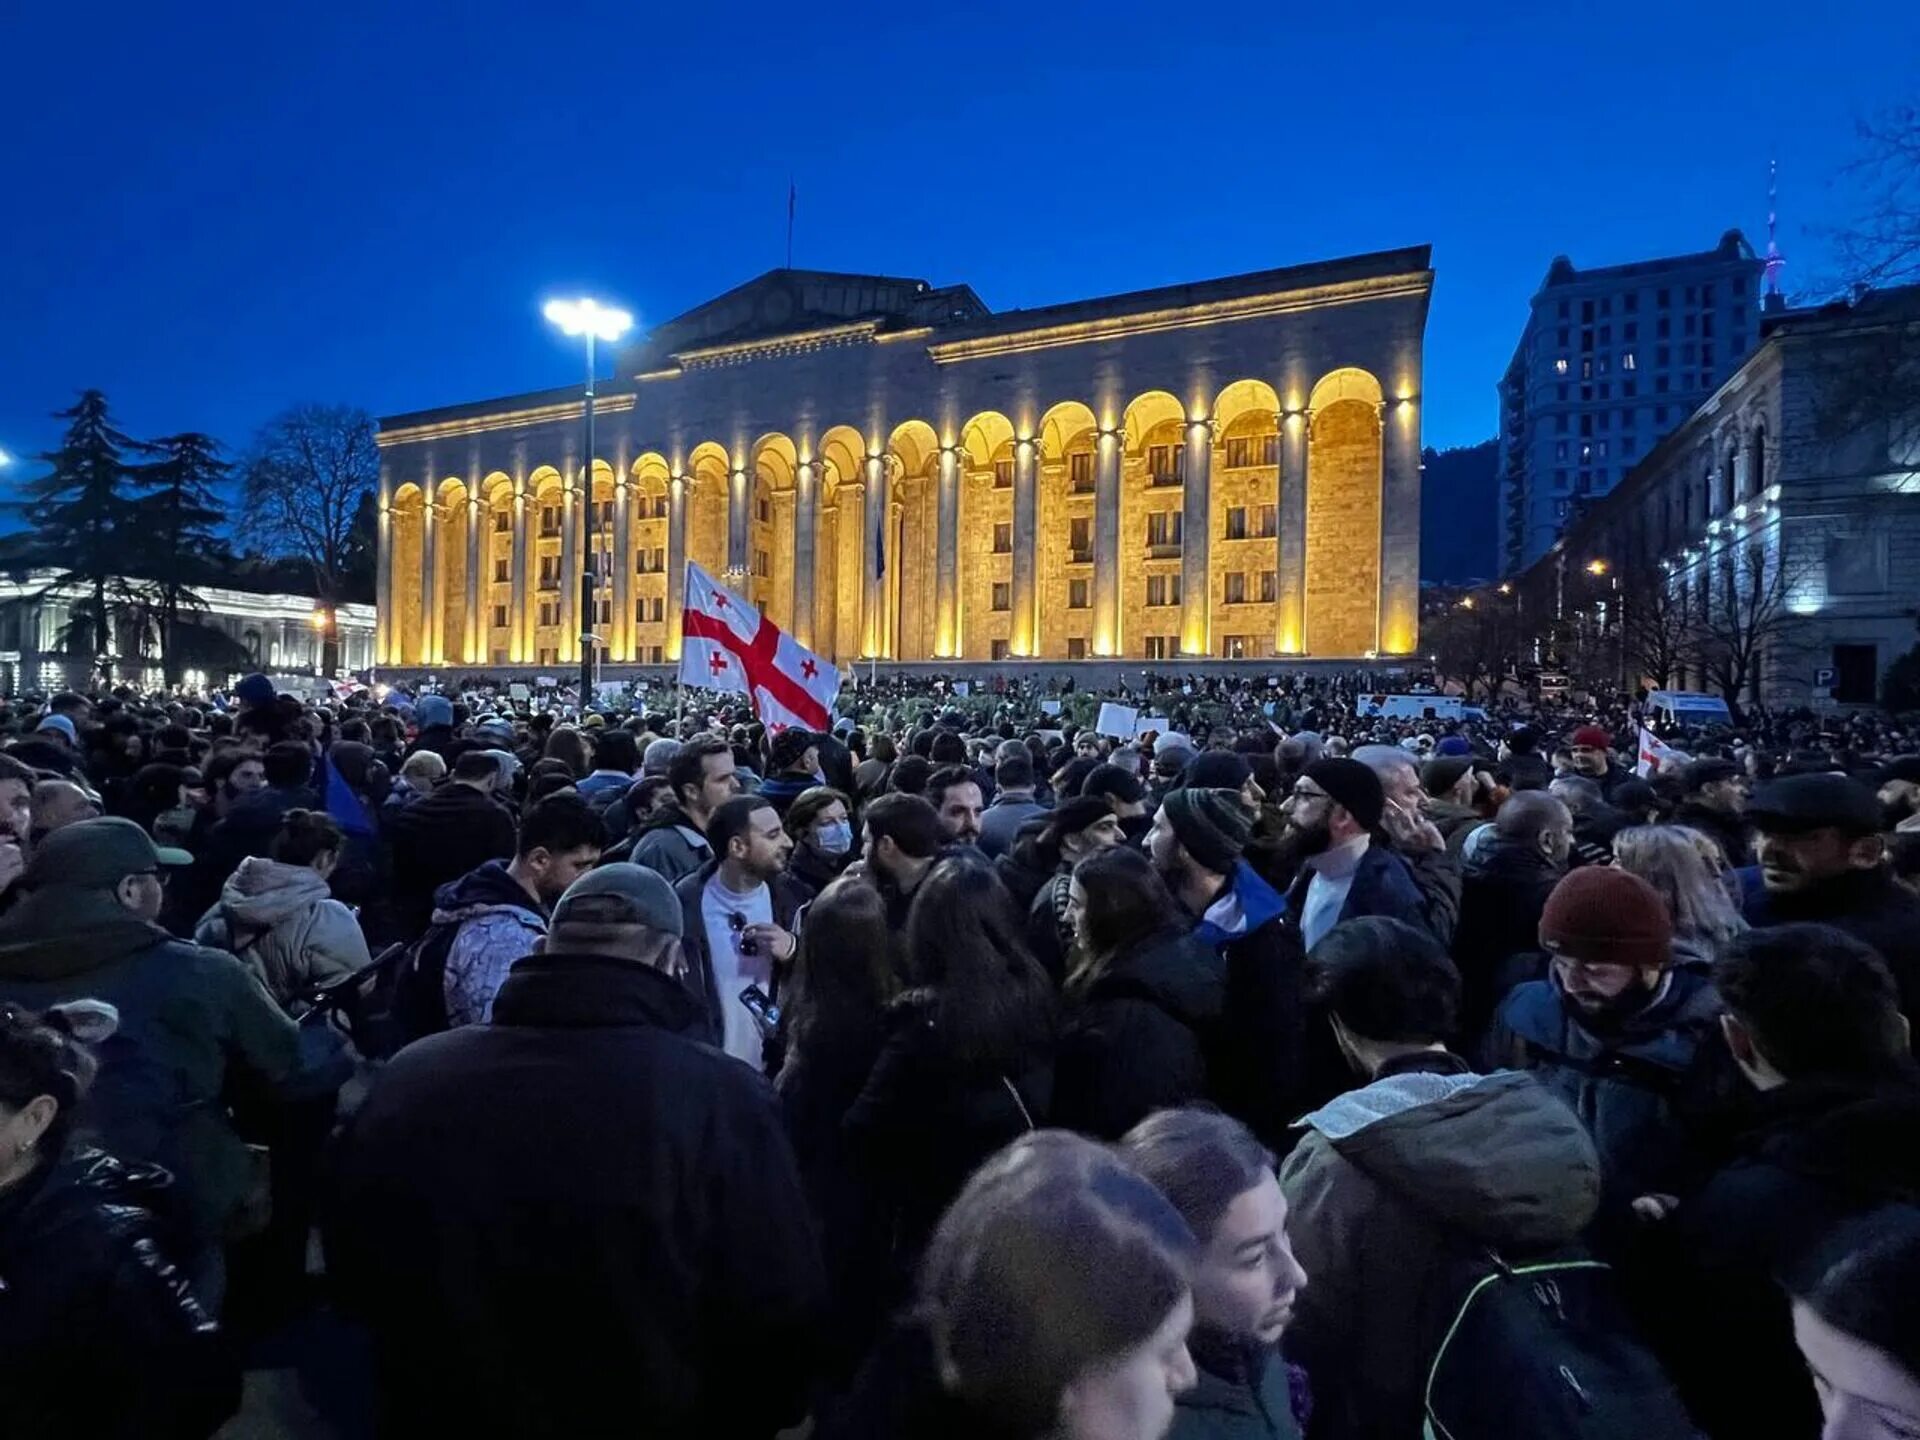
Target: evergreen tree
79	516
176	522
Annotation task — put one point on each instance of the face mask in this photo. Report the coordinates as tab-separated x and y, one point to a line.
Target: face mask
834	839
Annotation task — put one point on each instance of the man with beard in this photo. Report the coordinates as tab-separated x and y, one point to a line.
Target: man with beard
955	796
1334	818
1590	748
1615	1029
1715	805
1822	858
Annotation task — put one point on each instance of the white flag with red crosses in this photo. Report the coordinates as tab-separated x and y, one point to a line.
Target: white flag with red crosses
726	644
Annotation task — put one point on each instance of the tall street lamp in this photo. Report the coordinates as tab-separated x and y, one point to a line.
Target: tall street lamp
596	322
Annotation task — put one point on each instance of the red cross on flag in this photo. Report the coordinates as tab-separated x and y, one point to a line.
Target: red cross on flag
726	644
1653	750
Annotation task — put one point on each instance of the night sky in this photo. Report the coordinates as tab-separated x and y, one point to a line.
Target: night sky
213	212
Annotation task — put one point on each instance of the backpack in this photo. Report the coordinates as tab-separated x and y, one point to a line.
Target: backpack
420	985
1544	1350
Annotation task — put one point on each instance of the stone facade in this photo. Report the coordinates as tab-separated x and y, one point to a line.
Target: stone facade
890	470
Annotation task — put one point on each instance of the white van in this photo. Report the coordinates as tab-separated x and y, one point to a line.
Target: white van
1689	707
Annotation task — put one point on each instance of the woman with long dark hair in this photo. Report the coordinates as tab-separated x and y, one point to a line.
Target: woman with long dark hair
968	1062
1141	994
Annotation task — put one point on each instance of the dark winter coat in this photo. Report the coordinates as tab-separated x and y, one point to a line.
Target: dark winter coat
100	1335
1730	832
1387	1187
578	1211
1262	1072
1384	884
1242	1391
437	839
783	789
898	1396
1500	903
787	897
1869	905
813	869
671	845
1136	1039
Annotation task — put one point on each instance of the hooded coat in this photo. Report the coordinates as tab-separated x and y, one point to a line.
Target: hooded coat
1388	1186
283	921
671	845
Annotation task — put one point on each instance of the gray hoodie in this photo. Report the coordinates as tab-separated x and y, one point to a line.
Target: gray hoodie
282	921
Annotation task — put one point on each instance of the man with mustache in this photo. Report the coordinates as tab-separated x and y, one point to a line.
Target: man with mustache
1615	1028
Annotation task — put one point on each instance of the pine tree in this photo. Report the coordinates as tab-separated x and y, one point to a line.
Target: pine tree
79	516
176	521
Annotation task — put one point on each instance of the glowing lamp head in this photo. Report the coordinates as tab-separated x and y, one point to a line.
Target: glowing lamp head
5	459
319	619
588	317
1505	588
1596	567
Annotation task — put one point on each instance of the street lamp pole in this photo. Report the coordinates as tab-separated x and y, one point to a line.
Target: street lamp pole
596	322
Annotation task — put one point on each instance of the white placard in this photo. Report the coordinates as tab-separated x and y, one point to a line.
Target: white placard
517	691
1049	707
1119	721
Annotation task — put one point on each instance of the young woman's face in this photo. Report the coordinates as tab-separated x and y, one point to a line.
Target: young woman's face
1864	1392
1248	1277
1130	1396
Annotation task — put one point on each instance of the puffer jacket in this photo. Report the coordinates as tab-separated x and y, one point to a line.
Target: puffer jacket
283	922
99	1332
497	921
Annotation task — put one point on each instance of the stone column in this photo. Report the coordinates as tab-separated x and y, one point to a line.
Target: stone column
1106	542
1399	632
429	581
676	562
874	553
520	610
1290	561
477	582
621	634
1026	549
739	499
850	526
569	647
1196	526
386	619
946	594
806	515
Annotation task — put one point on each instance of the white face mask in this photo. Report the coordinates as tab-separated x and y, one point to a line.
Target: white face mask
834	839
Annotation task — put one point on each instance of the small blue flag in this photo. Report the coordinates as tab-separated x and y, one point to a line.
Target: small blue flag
343	805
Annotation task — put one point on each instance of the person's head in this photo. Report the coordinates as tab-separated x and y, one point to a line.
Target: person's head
902	836
1387	988
1087	745
748	839
843	971
77	708
58	729
624	911
1397	770
1610	940
1119	787
1856	1319
1055	1292
1014	771
657	759
1672	859
560	839
55	805
646	796
479	770
1579	794
793	752
1533	819
568	745
1448	779
822	817
909	775
1717	784
423	770
1814	828
45	1071
967	947
1079	827
1590	749
1225	770
955	797
16	800
1809	1002
110	857
1198	836
308	837
704	776
1333	801
287	765
1115	900
616	750
1220	1178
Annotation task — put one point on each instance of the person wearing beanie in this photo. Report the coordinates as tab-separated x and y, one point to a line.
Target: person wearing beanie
1451	783
793	766
1224	770
1196	843
1615	1029
1590	748
434	715
1038	870
1333	821
1122	790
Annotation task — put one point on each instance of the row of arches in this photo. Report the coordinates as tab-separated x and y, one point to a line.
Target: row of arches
1228	524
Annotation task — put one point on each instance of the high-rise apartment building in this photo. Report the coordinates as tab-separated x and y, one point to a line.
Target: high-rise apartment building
1611	360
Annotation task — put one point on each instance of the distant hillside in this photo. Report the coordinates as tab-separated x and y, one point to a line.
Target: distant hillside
1459	493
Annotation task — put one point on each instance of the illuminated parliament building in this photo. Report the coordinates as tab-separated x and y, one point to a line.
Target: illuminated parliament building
1229	468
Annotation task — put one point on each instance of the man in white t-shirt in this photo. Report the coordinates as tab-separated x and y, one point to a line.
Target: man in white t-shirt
739	911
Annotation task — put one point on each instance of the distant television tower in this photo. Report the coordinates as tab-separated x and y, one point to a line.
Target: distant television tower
1776	262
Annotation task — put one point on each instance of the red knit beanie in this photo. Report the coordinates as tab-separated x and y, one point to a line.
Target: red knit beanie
1591	736
1607	916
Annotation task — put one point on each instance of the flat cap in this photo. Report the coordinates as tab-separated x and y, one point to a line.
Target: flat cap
1818	801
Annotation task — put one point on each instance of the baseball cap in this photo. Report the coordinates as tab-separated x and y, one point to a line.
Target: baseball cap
619	894
98	854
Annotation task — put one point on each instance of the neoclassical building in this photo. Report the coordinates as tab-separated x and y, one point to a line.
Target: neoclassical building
1228	468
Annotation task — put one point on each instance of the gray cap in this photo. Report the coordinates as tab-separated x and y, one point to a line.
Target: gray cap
659	756
620	894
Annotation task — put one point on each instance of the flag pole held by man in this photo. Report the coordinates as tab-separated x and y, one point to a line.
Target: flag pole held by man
727	644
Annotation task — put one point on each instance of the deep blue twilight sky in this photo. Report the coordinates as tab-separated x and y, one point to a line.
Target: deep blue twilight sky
215	211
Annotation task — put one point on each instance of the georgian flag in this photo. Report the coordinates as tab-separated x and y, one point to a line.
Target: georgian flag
726	644
1653	750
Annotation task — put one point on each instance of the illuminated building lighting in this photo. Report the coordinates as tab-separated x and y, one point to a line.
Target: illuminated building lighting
1505	588
1740	511
1596	567
588	317
1773	492
319	619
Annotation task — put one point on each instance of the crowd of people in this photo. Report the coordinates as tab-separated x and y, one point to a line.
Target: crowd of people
958	1071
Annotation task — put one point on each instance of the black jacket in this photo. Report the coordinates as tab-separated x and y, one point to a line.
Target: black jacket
1816	1154
577	1211
1499	934
813	869
1869	905
1137	1039
439	838
899	1396
99	1334
1730	832
247	829
787	897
